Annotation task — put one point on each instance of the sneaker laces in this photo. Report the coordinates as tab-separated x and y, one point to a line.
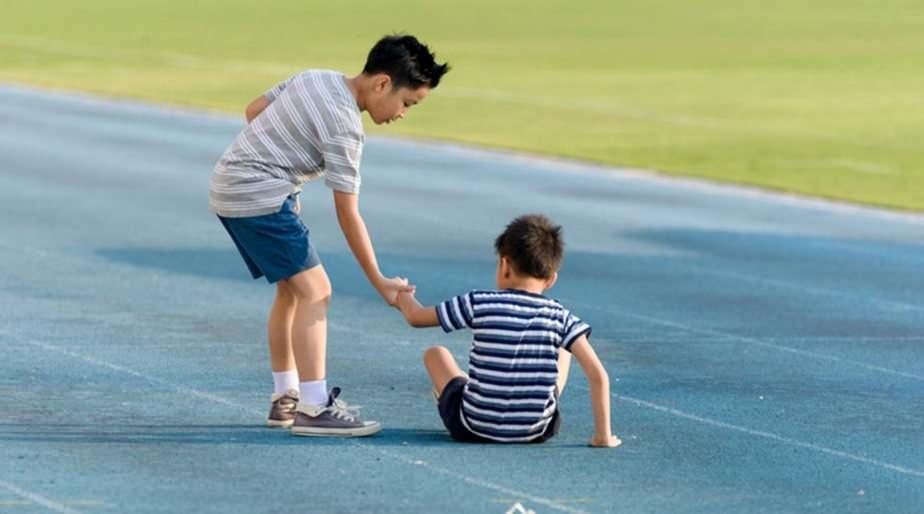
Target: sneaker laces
340	409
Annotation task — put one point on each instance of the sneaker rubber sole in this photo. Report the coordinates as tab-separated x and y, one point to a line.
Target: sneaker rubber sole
336	432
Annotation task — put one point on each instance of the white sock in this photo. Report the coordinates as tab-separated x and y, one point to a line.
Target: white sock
284	381
313	393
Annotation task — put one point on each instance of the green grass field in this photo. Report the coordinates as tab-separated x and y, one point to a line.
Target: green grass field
823	98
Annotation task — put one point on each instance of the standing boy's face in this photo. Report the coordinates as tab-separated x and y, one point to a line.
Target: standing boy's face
387	104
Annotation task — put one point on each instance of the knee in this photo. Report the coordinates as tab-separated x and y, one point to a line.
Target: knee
434	354
323	292
316	289
284	294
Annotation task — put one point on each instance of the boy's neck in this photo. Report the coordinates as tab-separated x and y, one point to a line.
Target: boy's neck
357	86
528	284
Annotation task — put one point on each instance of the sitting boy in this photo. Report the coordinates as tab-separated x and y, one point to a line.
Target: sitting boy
523	342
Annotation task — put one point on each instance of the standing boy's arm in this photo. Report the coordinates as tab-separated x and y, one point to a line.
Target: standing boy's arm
255	107
599	383
354	229
416	314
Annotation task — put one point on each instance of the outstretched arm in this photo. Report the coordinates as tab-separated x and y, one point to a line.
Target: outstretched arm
416	314
354	229
599	383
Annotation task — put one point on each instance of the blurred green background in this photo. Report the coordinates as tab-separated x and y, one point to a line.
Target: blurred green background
824	98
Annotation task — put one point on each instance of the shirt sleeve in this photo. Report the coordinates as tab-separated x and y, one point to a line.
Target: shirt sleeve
342	155
456	313
572	329
274	91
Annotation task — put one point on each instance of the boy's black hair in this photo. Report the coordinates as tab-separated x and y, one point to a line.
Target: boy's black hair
406	60
533	245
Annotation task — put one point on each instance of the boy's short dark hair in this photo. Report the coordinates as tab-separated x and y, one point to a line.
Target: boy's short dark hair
406	60
533	245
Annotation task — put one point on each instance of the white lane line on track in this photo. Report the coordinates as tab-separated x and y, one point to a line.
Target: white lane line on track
38	499
481	483
193	392
769	435
650	319
750	340
894	305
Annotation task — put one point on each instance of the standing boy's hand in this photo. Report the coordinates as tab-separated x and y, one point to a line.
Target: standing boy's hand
609	441
404	300
390	287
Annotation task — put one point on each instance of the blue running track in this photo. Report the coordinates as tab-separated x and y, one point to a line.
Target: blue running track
767	353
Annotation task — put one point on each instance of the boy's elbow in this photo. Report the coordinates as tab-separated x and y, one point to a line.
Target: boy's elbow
599	378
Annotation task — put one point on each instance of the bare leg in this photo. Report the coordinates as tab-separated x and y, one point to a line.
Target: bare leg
441	366
564	366
280	328
309	327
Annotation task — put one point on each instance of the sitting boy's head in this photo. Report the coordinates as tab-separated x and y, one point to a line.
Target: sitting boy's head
529	249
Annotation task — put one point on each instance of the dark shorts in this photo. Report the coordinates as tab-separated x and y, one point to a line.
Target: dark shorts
274	245
450	406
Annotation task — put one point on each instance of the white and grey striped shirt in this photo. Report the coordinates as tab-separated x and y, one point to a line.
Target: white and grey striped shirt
311	128
513	363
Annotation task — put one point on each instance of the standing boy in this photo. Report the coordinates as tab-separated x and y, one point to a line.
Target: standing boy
305	128
519	359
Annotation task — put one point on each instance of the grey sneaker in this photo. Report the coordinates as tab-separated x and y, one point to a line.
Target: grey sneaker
282	412
335	419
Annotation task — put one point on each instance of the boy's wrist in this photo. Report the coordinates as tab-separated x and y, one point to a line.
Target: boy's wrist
405	301
605	441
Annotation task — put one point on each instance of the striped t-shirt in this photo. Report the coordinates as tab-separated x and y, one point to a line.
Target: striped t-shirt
312	127
513	362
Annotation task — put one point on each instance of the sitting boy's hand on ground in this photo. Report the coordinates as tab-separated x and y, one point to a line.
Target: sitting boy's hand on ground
610	441
390	287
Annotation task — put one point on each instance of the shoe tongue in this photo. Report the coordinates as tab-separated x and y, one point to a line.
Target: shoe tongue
334	393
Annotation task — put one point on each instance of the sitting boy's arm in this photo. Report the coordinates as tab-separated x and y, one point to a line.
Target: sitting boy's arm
599	383
416	315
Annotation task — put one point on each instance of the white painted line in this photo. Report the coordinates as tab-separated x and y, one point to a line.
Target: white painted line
846	338
757	342
901	306
39	499
481	483
488	485
768	435
122	369
193	392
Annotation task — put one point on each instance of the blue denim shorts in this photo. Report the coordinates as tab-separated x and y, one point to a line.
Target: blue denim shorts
274	245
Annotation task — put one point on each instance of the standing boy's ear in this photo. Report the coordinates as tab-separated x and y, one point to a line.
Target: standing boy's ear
551	281
380	82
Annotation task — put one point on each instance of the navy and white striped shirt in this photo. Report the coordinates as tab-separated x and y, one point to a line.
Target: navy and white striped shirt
513	363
